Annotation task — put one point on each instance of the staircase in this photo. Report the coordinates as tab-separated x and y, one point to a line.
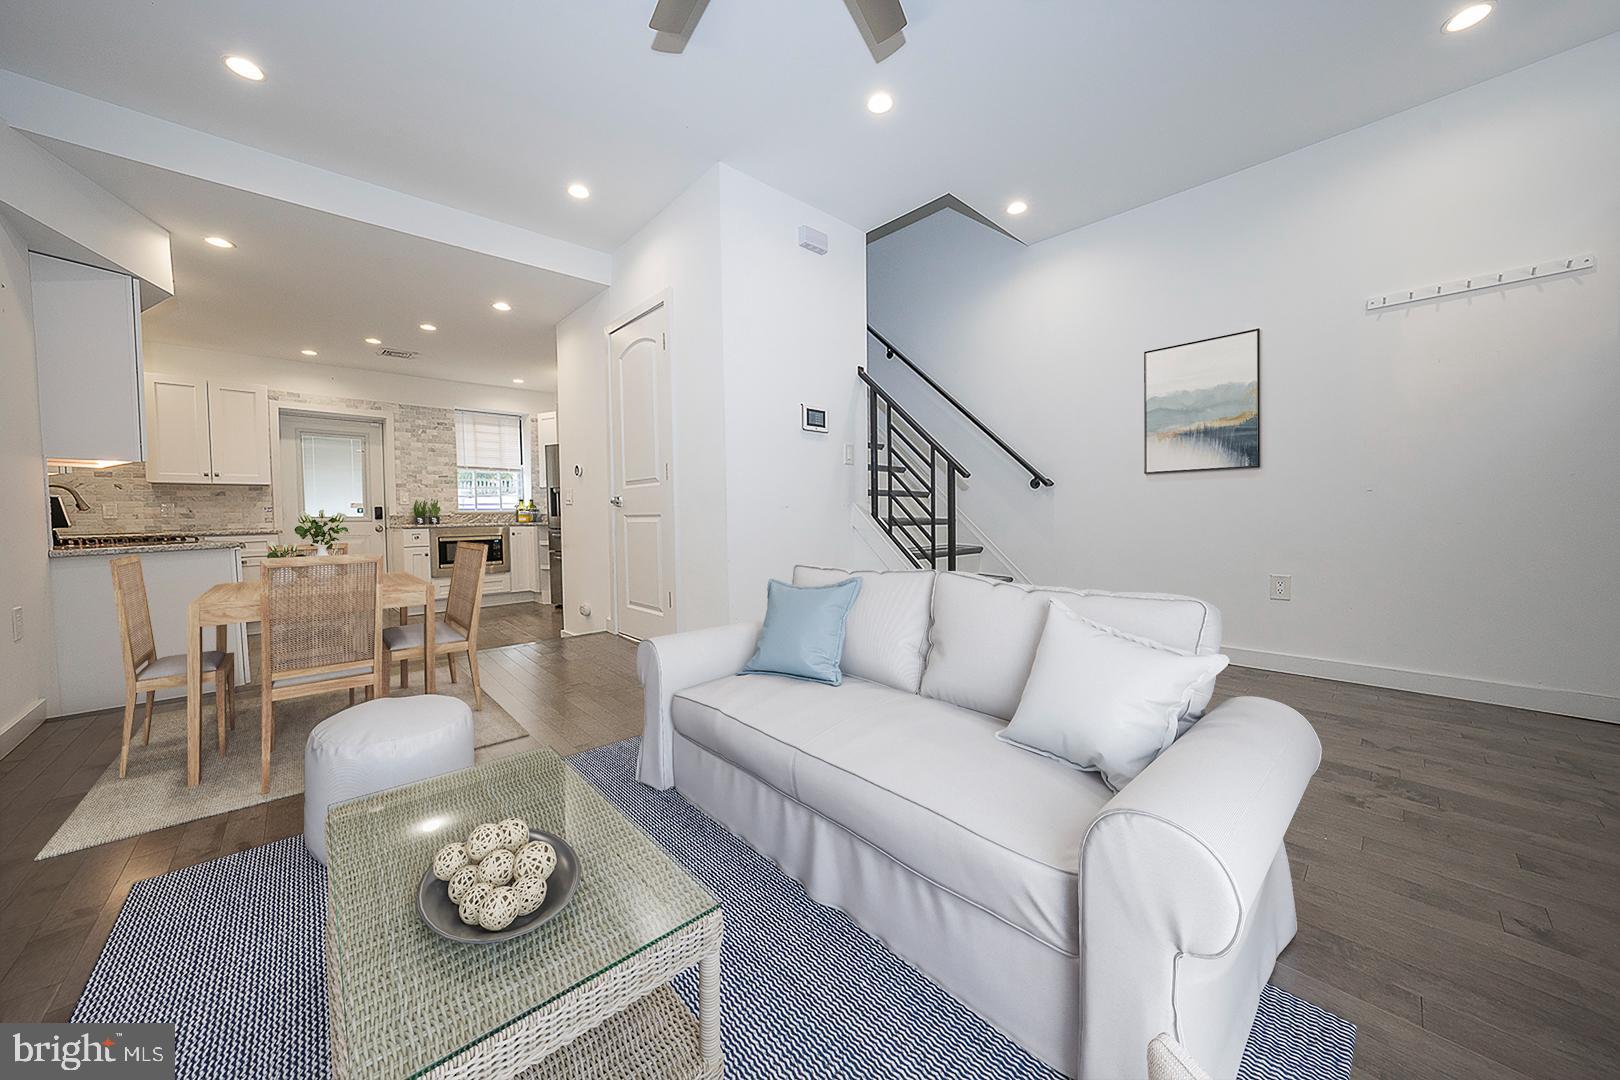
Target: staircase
912	477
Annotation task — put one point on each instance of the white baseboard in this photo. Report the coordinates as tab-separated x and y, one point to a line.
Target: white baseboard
1546	699
21	726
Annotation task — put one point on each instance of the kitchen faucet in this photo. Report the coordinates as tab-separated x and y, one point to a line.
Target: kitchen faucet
78	500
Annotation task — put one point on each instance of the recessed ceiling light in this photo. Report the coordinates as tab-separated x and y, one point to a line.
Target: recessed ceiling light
246	68
218	241
429	327
1017	206
309	352
501	305
880	103
578	190
1472	15
373	341
518	381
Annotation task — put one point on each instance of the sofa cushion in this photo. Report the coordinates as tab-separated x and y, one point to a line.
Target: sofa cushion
803	635
886	637
982	641
1102	700
923	781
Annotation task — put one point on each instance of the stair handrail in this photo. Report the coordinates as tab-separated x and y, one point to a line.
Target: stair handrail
912	420
1037	479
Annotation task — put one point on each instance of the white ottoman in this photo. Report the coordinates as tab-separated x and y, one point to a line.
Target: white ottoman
377	745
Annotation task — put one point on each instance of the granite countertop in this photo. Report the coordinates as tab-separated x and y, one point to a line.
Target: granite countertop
410	523
262	530
144	549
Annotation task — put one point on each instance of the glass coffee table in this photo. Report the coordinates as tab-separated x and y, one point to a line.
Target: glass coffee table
585	995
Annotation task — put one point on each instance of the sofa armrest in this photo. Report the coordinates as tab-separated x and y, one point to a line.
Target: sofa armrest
1174	866
675	662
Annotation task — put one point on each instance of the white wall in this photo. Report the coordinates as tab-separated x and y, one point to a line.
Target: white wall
331	381
1440	479
674	258
81	221
794	329
27	667
757	326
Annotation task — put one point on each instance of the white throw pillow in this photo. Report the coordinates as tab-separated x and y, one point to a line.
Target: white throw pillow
886	634
1103	700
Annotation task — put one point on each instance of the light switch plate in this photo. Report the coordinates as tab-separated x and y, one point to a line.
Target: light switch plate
16	624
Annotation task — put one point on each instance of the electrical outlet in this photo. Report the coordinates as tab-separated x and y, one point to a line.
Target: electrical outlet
16	624
1282	587
109	511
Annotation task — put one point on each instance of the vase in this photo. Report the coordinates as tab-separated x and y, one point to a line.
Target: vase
322	549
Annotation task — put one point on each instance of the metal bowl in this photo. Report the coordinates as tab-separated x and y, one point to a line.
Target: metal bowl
444	918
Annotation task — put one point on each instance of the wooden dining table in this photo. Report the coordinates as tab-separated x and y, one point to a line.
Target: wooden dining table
234	602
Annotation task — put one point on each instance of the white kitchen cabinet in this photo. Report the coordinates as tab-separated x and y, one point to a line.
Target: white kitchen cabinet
525	558
419	562
207	432
239	432
87	348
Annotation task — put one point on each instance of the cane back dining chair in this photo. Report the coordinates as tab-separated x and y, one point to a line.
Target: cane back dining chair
455	633
146	672
320	630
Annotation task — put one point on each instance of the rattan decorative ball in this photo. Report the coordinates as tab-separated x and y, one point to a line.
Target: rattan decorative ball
477	895
469	914
484	839
514	833
496	867
498	910
461	881
451	857
537	858
530	893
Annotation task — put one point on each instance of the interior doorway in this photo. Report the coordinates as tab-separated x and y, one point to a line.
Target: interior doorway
333	464
642	501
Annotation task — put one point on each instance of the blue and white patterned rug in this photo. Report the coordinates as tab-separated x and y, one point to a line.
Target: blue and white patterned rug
232	952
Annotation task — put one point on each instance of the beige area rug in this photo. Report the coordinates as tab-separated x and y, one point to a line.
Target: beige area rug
154	794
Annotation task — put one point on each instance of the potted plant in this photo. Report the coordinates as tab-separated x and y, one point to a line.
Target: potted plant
419	511
280	551
320	530
433	511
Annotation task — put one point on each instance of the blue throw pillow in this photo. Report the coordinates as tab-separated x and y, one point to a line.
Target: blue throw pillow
803	636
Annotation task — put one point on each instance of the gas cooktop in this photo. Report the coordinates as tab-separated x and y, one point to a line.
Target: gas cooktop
103	540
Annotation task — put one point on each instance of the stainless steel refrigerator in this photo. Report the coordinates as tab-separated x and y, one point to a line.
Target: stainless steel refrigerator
554	523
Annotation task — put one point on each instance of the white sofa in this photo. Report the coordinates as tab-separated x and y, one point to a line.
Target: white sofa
1078	921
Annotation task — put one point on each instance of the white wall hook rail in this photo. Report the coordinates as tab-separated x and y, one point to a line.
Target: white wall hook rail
1547	268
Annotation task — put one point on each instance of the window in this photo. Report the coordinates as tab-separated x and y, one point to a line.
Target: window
490	472
334	473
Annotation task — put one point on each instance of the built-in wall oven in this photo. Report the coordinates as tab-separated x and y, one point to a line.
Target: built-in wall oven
493	537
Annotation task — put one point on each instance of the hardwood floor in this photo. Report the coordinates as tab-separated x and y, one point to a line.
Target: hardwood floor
1456	865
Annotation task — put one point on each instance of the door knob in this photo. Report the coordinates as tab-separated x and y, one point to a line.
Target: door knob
617	500
379	528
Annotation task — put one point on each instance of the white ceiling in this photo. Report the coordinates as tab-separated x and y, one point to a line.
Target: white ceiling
300	279
1083	107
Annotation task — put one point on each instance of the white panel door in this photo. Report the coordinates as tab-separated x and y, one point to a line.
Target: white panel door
334	465
239	433
643	503
177	431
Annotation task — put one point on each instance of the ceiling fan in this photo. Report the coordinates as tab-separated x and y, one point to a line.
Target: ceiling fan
880	22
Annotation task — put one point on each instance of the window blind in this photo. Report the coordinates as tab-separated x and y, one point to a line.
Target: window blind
487	440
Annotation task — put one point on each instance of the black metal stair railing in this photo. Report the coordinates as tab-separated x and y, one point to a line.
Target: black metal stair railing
1037	479
908	472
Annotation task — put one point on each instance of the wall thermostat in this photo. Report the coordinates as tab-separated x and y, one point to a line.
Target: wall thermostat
812	418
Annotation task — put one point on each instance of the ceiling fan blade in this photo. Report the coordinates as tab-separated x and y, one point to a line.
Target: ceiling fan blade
672	16
884	18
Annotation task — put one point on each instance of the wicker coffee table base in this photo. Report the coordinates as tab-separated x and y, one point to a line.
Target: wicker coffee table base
624	1022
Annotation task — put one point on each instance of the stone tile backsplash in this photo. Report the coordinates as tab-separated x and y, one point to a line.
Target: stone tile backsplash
424	467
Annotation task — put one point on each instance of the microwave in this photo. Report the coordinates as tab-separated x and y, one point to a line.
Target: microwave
494	538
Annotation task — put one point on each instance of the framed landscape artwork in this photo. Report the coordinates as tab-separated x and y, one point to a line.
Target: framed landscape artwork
1202	405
